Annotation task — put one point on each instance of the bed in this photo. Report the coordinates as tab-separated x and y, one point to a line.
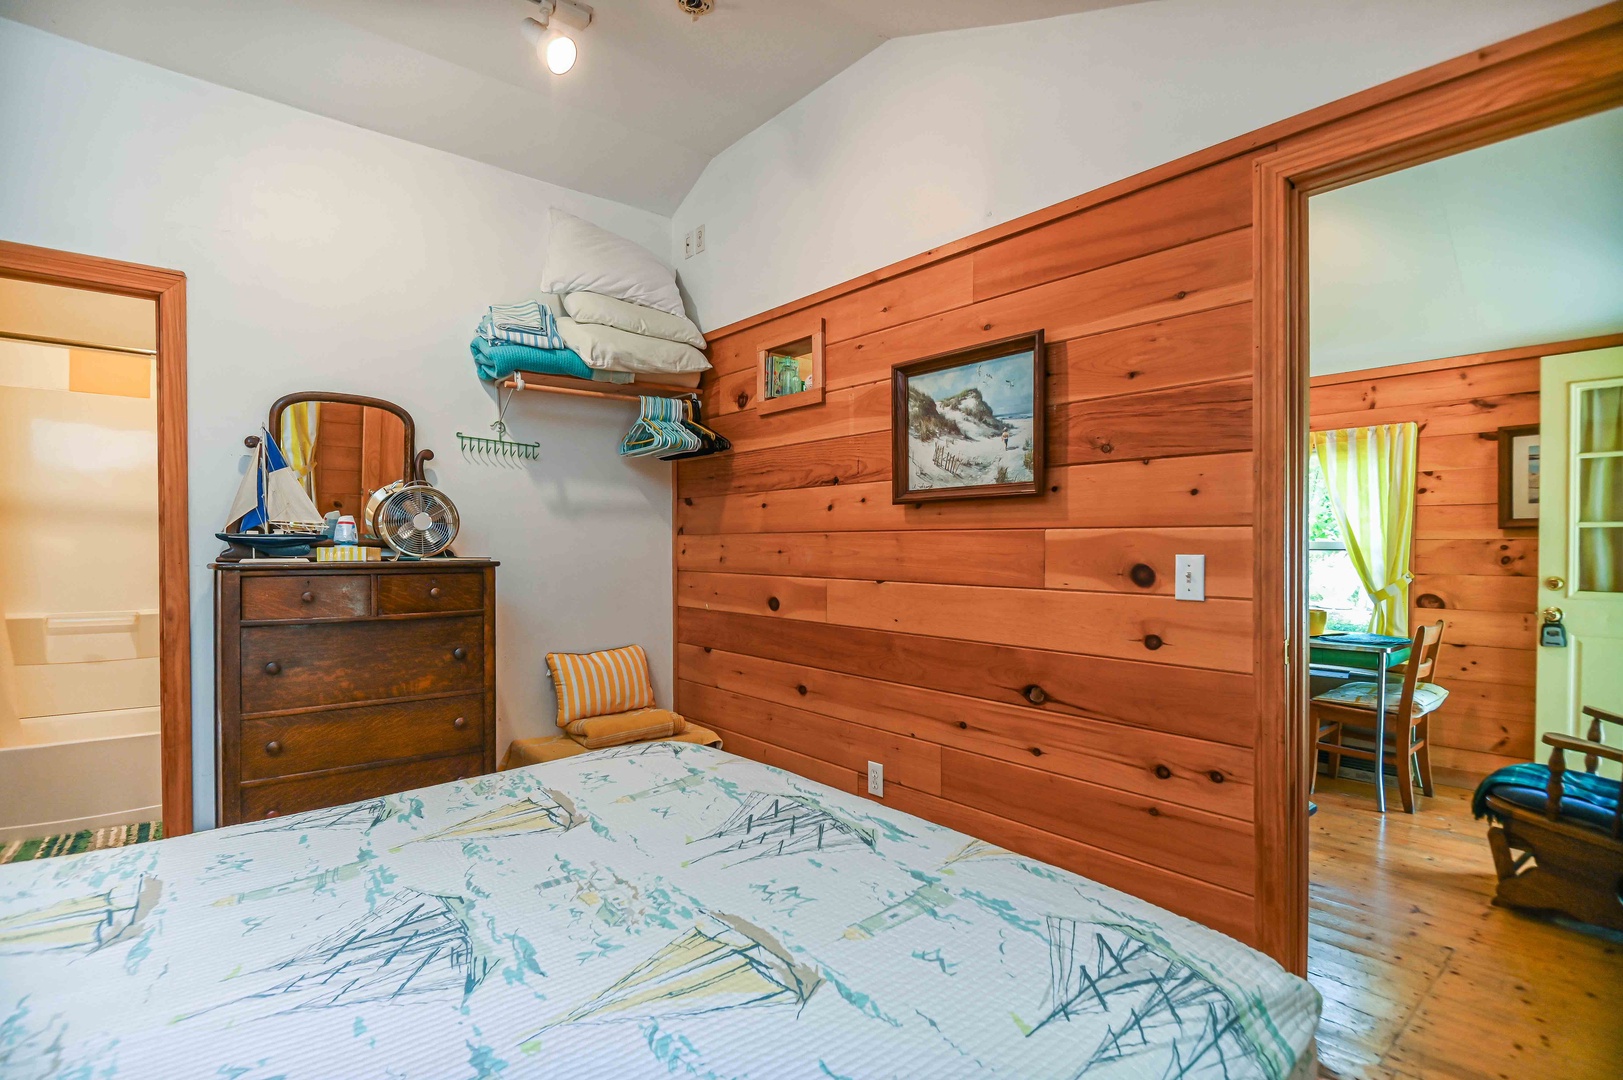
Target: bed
651	910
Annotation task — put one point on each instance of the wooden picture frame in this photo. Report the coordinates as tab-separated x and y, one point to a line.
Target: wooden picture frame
947	457
812	340
1515	450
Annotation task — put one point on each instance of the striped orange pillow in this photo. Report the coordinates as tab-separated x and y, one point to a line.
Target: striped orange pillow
592	684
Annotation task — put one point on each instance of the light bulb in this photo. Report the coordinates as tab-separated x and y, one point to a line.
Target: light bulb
560	55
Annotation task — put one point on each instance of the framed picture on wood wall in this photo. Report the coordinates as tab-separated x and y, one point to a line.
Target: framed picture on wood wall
1518	476
969	424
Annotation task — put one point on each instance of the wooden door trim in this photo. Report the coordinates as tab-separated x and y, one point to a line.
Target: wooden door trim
167	288
1562	72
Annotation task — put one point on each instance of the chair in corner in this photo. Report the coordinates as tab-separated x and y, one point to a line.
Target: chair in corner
1568	825
1349	709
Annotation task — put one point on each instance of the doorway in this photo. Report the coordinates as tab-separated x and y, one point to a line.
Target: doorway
97	665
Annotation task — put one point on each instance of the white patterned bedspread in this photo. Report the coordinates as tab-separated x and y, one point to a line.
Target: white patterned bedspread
653	910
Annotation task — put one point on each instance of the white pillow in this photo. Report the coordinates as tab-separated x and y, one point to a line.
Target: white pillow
609	348
553	303
583	257
591	307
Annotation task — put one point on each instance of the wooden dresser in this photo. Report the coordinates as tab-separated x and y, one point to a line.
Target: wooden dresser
336	682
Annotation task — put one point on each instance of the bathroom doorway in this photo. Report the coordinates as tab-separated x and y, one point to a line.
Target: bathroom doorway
95	740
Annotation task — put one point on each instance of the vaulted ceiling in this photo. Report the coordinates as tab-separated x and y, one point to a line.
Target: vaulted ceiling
654	95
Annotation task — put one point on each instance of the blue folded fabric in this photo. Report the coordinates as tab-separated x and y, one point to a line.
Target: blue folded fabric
497	360
1585	797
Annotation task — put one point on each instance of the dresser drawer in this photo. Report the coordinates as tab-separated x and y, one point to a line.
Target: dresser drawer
307	742
318	596
300	665
405	594
283	797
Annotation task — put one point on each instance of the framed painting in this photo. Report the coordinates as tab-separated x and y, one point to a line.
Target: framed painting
969	424
1518	476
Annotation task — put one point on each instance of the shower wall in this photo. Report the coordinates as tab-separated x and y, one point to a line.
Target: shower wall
79	719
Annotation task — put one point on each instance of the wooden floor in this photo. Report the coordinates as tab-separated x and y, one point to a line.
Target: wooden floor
1423	978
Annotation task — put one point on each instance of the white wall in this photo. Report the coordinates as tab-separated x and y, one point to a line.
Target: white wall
322	256
1517	243
931	138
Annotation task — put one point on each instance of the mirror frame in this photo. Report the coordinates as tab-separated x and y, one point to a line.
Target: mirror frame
410	469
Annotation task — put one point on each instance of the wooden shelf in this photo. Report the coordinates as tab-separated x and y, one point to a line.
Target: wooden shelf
565	384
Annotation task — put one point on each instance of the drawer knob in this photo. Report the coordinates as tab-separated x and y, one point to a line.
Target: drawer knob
273	748
273	813
434	593
460	653
307	596
460	722
273	668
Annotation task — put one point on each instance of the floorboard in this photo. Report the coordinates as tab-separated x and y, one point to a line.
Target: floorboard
1423	977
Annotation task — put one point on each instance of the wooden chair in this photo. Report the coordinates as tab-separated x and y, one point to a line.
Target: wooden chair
1568	825
1349	709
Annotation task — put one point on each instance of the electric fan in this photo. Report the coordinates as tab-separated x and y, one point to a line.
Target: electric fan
413	518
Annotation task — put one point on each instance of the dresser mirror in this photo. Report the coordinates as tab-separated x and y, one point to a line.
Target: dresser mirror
343	447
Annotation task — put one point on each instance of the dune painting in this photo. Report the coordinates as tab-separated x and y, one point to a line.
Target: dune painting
971	425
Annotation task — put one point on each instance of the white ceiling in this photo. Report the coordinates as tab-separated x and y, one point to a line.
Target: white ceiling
652	98
1518	243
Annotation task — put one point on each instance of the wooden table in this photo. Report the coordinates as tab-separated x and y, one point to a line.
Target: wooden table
1365	652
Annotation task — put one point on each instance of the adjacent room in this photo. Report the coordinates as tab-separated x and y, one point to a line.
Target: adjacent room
749	538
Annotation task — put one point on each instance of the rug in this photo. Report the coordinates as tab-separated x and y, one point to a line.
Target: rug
43	847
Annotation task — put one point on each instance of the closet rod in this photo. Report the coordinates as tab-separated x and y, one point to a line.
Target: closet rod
35	339
564	384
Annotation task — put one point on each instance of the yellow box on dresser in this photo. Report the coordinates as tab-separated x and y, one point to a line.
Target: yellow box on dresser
344	681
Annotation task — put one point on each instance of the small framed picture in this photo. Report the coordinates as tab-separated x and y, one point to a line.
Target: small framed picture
790	372
1518	476
969	424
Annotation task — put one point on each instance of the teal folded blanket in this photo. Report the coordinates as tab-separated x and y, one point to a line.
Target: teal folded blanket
497	360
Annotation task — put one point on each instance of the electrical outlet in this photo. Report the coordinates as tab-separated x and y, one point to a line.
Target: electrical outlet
876	779
1191	577
698	240
687	245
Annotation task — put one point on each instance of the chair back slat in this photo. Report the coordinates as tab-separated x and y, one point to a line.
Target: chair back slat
1428	641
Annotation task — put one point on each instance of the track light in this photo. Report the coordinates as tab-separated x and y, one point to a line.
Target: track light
555	47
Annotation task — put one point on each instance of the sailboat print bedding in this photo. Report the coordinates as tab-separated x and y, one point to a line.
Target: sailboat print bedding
650	910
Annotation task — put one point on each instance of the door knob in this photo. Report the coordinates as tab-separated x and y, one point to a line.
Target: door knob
1555	584
1551	614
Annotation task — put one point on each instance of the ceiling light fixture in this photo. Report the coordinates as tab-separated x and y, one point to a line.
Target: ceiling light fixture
554	46
695	8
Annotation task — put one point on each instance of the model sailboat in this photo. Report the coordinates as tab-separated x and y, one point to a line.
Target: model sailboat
271	511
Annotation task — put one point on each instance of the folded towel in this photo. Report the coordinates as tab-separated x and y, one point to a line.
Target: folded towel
497	360
525	323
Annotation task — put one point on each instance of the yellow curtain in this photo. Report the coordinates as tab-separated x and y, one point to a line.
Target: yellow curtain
1370	472
300	422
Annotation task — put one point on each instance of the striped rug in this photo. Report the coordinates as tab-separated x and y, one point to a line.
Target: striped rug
43	847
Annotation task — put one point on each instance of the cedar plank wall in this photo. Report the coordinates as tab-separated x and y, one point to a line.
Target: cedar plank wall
819	626
1483	579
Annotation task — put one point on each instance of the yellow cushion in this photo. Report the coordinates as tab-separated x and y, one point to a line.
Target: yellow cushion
1361	695
638	725
522	752
597	683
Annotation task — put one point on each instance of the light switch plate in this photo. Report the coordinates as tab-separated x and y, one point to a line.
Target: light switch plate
1191	577
687	245
698	240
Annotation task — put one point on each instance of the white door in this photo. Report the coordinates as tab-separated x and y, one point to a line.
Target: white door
1580	542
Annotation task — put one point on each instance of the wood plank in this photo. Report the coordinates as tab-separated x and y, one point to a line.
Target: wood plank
1103	560
753	594
850	411
1191	207
1210	490
1206	418
1210	273
1191	772
1472	592
926	291
1478	451
1201	704
1468	763
908	762
1460	521
1205	846
1496	629
1491	557
1222	909
1153	628
1202	347
1479	663
1454	486
1422	390
835	776
1008	557
1445	418
858	459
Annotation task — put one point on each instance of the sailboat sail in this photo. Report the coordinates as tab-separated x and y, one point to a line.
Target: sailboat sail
285	500
249	503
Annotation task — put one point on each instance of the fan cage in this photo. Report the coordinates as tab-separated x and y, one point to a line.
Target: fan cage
400	521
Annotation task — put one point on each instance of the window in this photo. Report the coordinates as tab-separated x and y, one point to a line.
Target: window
1332	583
